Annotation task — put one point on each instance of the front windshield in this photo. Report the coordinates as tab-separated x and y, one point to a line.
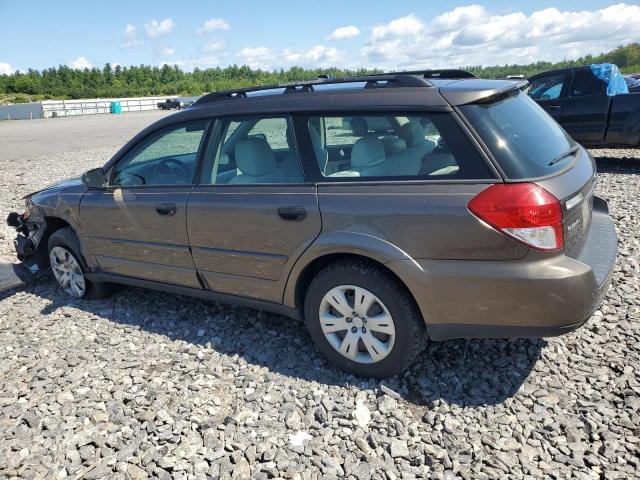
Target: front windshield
523	138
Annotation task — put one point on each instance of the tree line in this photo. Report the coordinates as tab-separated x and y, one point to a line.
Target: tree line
64	82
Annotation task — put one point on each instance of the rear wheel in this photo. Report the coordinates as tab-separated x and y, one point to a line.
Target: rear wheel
363	320
68	267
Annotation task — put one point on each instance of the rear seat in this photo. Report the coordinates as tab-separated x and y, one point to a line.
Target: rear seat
408	161
368	159
409	154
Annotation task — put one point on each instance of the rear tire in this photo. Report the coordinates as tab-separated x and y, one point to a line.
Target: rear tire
68	266
363	320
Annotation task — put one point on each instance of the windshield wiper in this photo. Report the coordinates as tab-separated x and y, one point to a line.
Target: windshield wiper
566	154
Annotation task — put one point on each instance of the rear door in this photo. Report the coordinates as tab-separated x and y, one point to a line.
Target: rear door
624	120
253	213
585	110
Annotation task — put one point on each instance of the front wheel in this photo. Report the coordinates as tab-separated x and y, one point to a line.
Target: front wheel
363	320
68	268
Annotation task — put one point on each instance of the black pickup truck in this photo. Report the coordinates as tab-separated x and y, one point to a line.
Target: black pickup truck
582	103
174	103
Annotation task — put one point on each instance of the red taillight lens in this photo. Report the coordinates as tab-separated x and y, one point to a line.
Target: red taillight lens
524	211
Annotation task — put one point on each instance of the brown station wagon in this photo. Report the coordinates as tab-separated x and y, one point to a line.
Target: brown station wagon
382	210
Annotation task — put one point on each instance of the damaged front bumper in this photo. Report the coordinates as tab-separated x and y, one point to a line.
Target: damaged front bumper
28	242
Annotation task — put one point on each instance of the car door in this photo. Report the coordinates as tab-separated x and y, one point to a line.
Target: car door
585	109
137	226
252	214
548	91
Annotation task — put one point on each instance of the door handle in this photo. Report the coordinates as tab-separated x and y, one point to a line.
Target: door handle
292	213
166	209
553	107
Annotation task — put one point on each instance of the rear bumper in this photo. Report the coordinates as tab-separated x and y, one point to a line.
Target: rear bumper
538	296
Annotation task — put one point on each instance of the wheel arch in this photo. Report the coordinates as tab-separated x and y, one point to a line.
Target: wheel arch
339	246
51	225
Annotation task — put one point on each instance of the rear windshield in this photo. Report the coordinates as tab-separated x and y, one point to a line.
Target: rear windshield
523	138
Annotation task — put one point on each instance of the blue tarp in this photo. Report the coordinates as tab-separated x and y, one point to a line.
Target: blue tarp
608	72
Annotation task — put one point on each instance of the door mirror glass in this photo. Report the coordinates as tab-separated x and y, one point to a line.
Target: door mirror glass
94	178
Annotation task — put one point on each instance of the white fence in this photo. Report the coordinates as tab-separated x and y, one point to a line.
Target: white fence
95	106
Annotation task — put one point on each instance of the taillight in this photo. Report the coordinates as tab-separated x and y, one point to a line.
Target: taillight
523	211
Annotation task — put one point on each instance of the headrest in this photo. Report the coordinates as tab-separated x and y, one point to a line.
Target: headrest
412	133
359	126
367	151
393	145
254	157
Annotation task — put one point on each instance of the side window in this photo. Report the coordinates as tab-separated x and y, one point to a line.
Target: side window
586	83
416	145
165	158
547	88
253	150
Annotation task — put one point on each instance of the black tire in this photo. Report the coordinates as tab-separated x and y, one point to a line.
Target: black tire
409	325
66	238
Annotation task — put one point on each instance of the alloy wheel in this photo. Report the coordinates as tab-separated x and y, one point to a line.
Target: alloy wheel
357	324
67	271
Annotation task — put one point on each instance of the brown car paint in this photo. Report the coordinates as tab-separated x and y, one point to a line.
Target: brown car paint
229	242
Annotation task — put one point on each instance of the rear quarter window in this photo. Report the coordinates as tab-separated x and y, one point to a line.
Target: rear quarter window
523	138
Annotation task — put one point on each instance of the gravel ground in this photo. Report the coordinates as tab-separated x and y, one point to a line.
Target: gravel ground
146	384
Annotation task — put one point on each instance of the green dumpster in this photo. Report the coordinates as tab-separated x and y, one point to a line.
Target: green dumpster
116	107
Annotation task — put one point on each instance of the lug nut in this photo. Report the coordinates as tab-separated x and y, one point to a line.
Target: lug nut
349	319
354	329
364	329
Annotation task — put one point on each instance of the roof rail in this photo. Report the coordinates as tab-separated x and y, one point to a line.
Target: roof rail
451	73
383	80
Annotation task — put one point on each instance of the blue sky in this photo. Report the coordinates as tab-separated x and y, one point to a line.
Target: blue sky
274	34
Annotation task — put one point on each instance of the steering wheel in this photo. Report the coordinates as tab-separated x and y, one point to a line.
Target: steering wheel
171	168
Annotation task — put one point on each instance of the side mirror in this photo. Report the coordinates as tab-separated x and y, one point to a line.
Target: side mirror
94	178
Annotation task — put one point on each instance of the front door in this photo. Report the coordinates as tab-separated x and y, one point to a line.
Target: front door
548	91
585	110
253	214
137	227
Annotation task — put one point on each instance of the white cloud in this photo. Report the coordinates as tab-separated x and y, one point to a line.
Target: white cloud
258	57
6	69
212	25
318	55
458	16
80	63
168	51
130	37
157	29
400	27
472	35
189	64
214	46
341	33
268	59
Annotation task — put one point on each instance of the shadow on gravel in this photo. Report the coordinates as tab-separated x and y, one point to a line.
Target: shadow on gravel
461	372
